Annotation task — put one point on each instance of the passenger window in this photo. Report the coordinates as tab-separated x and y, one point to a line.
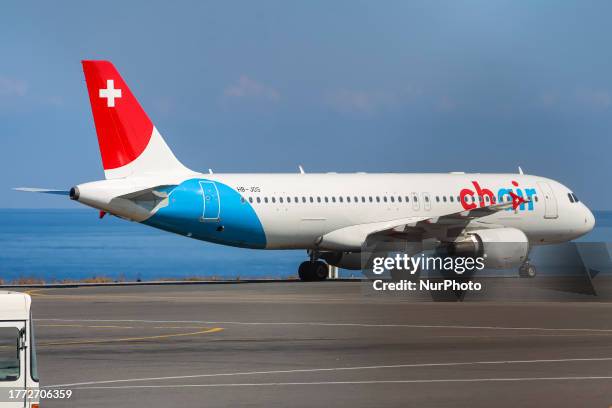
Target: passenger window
377	199
416	199
311	199
437	199
242	200
303	199
348	199
385	199
266	200
318	199
273	199
392	199
451	199
326	200
370	197
444	198
362	199
258	200
356	199
251	200
407	199
535	198
333	199
280	199
426	199
399	199
288	199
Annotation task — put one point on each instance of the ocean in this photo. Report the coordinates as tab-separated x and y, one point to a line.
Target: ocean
68	245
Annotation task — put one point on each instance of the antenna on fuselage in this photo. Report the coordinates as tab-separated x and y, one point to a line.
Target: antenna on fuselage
301	169
520	170
210	171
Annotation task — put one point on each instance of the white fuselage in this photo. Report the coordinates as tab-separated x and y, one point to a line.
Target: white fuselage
295	210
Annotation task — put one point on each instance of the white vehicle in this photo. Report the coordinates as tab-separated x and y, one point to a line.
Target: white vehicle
330	215
18	366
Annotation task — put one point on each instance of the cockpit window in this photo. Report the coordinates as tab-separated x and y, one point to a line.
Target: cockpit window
571	198
575	198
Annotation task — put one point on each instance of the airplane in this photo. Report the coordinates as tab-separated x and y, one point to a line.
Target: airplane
331	216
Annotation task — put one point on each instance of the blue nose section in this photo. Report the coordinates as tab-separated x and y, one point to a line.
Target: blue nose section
210	211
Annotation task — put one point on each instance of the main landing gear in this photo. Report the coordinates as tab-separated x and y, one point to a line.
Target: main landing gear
314	270
527	270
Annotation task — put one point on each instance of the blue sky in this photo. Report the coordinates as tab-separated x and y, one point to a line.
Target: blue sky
479	86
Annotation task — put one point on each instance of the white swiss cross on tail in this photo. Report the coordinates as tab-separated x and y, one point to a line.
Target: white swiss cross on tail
110	93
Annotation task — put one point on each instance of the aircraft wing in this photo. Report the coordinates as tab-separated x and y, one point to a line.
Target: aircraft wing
468	215
457	219
412	228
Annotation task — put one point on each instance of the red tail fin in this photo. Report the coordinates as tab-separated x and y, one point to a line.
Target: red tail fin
129	143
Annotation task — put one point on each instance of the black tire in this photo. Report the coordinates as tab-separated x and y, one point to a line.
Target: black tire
313	271
320	271
305	271
527	271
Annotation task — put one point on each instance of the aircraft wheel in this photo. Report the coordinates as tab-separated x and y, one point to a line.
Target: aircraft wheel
527	270
313	271
304	271
321	270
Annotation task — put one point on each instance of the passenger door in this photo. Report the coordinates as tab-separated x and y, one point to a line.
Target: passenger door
212	205
550	202
13	370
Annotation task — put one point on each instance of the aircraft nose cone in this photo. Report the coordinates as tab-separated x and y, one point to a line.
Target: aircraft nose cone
589	220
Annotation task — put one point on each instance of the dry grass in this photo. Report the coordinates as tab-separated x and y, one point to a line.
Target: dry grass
97	279
191	279
28	281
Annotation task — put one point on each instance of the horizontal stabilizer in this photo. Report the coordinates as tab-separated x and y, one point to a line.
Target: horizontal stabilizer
42	190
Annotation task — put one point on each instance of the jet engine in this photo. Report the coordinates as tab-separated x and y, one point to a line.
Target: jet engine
344	260
501	248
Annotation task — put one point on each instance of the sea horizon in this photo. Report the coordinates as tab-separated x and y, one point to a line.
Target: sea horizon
62	244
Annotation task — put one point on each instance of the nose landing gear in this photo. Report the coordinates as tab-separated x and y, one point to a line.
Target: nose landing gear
527	270
311	271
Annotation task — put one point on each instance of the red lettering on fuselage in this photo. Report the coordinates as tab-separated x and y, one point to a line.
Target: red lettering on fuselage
480	193
463	194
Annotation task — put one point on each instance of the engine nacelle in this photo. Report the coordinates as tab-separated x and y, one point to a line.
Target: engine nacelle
344	260
502	248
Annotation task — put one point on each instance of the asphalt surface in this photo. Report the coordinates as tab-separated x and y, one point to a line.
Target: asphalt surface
317	344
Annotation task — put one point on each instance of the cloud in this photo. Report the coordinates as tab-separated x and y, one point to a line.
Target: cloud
12	87
446	104
591	99
547	99
357	102
164	105
596	99
249	88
